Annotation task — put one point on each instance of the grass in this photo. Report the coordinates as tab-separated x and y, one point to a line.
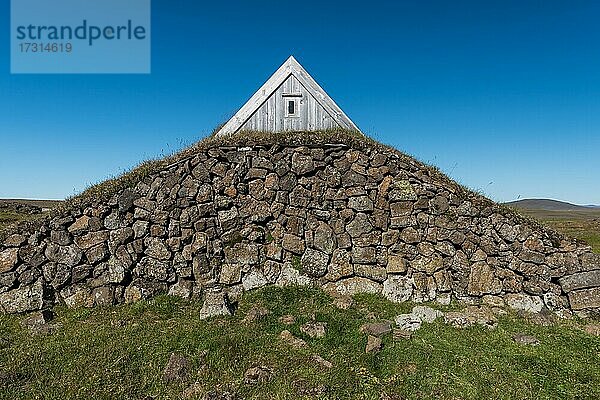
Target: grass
119	353
583	225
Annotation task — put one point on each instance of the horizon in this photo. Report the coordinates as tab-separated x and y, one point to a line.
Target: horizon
502	97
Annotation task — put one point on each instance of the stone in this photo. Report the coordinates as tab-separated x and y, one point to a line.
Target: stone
23	299
427	314
339	267
81	224
182	288
401	334
67	255
290	276
8	259
352	286
378	329
585	298
581	280
91	239
410	235
360	203
287	319
60	237
402	190
439	205
254	280
396	264
256	313
524	302
343	302
374	344
293	244
525	339
470	316
228	218
302	164
321	361
157	249
324	238
176	369
215	304
38	322
398	288
482	280
314	329
230	274
287	337
140	229
242	253
256	375
314	263
359	225
15	240
429	265
592	329
363	255
408	322
77	296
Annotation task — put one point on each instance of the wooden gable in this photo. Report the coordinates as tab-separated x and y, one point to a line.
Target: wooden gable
291	100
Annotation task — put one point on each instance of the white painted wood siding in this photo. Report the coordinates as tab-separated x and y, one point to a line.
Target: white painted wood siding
271	115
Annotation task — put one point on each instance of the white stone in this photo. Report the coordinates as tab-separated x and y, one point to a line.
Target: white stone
427	314
408	322
398	288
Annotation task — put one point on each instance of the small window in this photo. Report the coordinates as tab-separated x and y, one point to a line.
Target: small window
291	107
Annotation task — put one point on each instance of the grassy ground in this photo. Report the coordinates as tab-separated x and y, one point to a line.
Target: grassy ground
584	225
120	352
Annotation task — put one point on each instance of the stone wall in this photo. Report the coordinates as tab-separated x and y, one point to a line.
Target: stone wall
354	217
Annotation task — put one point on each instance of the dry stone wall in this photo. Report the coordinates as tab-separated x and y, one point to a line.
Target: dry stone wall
350	218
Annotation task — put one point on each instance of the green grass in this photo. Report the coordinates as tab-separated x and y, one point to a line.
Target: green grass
120	352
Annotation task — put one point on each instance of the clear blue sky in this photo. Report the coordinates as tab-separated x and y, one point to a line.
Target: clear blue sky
504	96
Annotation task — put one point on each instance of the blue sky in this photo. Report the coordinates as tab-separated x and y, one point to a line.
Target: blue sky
504	96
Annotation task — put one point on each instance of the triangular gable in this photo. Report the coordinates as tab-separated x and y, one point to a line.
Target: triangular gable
290	67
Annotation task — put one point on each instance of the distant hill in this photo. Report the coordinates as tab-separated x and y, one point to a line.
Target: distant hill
548	205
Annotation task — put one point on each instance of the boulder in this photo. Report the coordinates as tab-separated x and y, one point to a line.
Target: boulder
408	322
23	298
215	304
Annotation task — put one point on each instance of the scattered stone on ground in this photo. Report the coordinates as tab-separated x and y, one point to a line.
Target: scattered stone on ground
292	340
371	315
525	339
377	328
427	314
259	374
401	334
472	315
408	322
544	318
177	369
38	322
374	344
215	304
193	391
287	319
321	361
314	329
256	313
343	302
592	329
302	387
